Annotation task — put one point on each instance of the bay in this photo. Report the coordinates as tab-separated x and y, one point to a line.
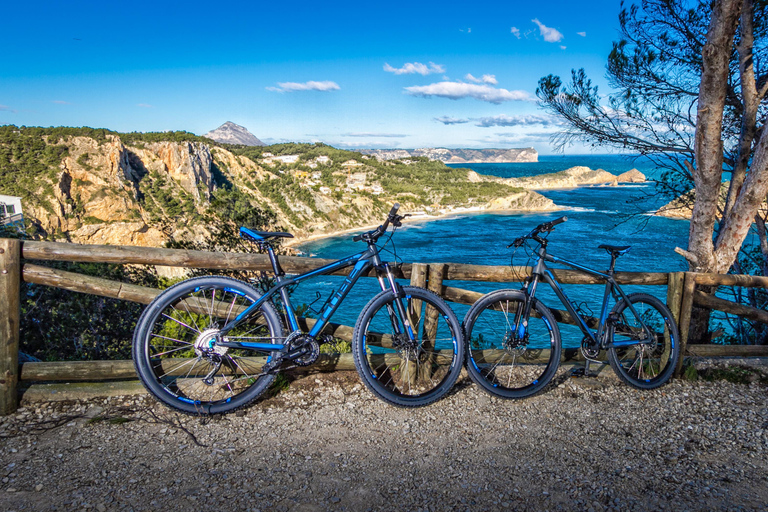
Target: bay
596	215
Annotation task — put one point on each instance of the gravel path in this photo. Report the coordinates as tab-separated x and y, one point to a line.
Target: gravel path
327	444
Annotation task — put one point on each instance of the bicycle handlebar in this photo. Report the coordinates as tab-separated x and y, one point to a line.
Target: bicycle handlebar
544	227
392	217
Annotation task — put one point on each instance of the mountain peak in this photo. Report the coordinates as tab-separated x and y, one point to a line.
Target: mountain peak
231	133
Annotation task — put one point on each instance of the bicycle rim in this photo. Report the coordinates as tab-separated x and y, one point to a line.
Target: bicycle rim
174	348
498	360
403	371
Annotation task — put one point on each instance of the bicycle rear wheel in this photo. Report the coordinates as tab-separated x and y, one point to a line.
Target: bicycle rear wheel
649	364
174	351
498	360
403	370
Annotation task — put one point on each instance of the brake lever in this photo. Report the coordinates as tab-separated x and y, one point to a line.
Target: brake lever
397	221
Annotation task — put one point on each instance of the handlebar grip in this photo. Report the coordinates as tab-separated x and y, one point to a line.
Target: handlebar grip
559	221
394	209
357	238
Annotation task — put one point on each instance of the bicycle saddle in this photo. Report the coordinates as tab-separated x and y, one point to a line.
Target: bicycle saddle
615	250
261	236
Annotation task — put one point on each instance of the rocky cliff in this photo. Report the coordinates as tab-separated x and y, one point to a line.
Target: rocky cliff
459	156
136	189
569	178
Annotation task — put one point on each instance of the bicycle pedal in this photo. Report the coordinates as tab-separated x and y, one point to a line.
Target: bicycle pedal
581	372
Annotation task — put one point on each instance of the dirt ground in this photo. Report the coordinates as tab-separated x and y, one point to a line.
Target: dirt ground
325	443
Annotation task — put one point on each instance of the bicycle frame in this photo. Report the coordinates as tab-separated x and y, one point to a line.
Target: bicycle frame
362	262
598	338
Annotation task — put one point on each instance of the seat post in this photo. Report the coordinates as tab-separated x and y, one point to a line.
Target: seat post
279	272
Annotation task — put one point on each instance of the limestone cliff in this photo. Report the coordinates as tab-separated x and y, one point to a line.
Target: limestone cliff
102	187
569	178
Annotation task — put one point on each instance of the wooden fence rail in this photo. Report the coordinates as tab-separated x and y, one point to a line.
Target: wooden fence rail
15	267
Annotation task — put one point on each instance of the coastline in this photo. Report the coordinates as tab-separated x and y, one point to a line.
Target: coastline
574	179
293	242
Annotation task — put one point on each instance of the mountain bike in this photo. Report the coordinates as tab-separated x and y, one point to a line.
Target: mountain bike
513	340
213	344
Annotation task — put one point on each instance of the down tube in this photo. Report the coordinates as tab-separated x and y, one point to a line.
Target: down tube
338	297
550	279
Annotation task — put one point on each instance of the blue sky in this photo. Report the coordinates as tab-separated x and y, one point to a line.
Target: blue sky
351	74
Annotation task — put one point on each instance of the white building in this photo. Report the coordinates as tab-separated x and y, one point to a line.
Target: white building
9	206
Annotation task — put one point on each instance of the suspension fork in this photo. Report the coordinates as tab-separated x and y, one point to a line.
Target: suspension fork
387	280
521	322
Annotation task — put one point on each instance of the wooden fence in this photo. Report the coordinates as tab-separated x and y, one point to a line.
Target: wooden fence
15	268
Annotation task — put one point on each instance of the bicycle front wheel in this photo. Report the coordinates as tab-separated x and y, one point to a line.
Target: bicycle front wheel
411	361
643	357
174	348
498	359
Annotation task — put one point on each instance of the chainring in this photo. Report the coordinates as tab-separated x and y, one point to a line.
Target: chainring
304	341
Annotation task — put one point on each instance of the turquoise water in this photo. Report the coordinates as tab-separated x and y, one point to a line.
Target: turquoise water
596	215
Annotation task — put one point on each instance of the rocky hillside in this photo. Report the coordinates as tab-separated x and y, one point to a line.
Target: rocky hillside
459	156
231	133
97	186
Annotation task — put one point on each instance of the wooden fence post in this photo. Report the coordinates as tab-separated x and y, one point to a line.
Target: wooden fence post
686	303
10	291
675	294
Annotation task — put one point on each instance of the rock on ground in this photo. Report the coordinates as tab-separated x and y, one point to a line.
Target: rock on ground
327	444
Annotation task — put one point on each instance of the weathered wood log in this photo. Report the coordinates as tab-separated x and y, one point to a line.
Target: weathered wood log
530	356
726	306
55	251
503	274
675	294
727	350
732	280
90	371
10	294
88	284
686	304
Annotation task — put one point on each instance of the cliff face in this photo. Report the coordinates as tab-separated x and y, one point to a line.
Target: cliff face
104	190
459	156
569	178
97	195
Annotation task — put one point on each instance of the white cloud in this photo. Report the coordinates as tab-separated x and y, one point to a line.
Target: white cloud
563	47
144	105
312	85
515	32
486	79
61	102
6	108
410	68
582	34
521	120
459	90
451	120
368	134
550	35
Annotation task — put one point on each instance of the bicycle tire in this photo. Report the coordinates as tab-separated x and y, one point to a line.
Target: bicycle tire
499	363
172	350
643	366
396	370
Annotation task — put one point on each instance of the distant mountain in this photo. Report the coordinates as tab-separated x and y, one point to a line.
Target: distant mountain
231	133
459	156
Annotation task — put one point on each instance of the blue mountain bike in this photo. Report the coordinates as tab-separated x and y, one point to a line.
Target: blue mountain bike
513	339
212	344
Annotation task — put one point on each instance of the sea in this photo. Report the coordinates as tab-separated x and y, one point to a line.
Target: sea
615	215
